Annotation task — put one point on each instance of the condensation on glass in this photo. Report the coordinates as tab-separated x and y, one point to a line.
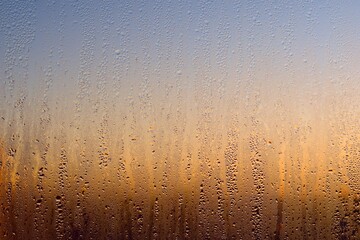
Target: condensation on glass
179	120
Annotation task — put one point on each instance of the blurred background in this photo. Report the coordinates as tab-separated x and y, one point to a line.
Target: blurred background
179	120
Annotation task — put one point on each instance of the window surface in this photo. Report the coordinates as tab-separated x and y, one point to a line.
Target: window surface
179	120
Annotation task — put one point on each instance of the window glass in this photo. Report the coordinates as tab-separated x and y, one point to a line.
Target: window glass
179	119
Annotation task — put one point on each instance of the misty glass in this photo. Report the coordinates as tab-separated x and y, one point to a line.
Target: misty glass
179	119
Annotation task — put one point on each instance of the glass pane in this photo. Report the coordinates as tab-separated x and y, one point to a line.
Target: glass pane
179	120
